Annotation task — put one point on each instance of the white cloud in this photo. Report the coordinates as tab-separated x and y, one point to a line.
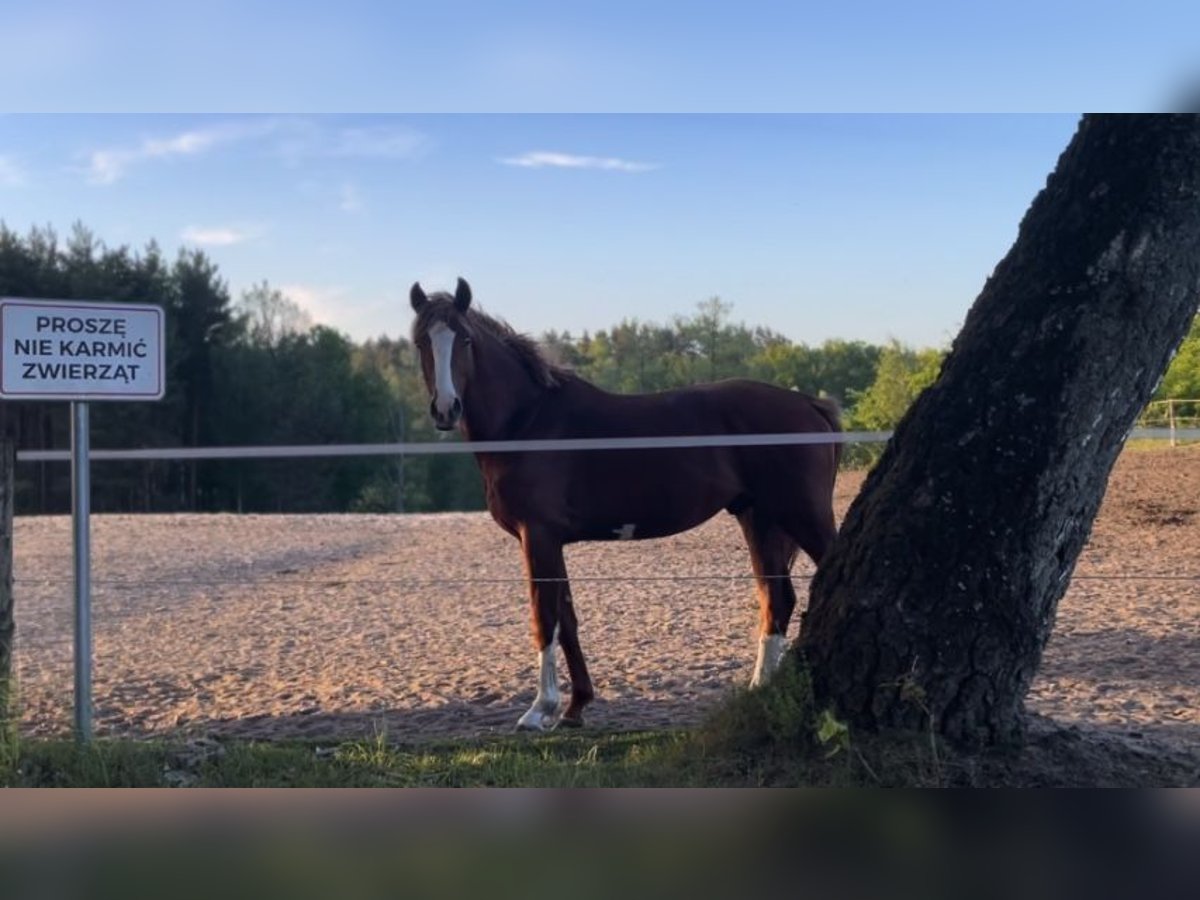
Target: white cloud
294	139
109	165
221	236
382	143
543	159
11	174
350	198
307	139
325	303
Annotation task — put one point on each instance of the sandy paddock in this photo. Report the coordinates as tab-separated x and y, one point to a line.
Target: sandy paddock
340	625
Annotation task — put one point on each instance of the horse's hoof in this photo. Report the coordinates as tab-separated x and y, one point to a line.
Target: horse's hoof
571	722
535	721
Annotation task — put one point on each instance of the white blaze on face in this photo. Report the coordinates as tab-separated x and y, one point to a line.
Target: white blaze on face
542	715
441	337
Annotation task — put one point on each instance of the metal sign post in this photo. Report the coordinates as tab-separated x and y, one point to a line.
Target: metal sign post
81	503
80	351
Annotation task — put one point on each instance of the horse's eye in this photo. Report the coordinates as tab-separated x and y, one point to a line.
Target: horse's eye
467	340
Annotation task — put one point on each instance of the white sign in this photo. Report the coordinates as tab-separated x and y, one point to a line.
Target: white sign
79	350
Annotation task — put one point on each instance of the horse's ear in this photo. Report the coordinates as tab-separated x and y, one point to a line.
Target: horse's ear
417	297
462	296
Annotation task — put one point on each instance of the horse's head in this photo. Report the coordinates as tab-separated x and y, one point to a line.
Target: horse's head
442	335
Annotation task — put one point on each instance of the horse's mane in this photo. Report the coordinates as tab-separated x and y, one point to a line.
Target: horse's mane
544	371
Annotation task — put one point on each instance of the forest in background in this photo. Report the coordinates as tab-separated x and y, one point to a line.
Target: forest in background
256	371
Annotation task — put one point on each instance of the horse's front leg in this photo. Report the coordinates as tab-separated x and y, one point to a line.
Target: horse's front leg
581	682
547	574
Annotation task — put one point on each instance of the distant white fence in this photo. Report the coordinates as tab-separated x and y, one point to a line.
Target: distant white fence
1180	418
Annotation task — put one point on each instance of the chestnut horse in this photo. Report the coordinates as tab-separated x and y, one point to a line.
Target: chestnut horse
494	384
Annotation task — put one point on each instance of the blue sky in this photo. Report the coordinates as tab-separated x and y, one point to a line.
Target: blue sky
819	226
830	169
618	55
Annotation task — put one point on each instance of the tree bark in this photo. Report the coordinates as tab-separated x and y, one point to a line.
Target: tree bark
936	601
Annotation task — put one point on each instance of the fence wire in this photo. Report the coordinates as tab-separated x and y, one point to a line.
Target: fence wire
469	581
52	629
456	447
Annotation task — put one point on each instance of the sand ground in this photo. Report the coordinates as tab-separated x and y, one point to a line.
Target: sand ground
337	626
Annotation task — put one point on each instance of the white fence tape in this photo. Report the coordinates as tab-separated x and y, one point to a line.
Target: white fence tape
427	448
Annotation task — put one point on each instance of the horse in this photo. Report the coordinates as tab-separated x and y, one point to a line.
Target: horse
493	383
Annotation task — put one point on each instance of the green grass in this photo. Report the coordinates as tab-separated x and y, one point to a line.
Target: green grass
699	758
555	760
769	737
765	737
628	759
757	737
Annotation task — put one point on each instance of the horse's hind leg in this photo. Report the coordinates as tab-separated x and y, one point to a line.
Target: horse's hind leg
772	551
581	682
814	533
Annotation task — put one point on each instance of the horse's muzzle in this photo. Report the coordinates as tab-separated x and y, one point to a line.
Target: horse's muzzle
447	420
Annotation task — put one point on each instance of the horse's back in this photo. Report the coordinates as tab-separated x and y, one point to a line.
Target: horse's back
755	407
732	406
589	495
777	475
781	474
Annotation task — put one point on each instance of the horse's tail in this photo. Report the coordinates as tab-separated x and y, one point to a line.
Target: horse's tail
831	412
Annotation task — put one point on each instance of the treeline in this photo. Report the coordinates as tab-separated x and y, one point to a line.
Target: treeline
256	371
251	372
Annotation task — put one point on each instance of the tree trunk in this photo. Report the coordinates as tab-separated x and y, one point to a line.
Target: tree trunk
936	601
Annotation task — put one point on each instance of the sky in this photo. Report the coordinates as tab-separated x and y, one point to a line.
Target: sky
851	169
611	56
858	226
